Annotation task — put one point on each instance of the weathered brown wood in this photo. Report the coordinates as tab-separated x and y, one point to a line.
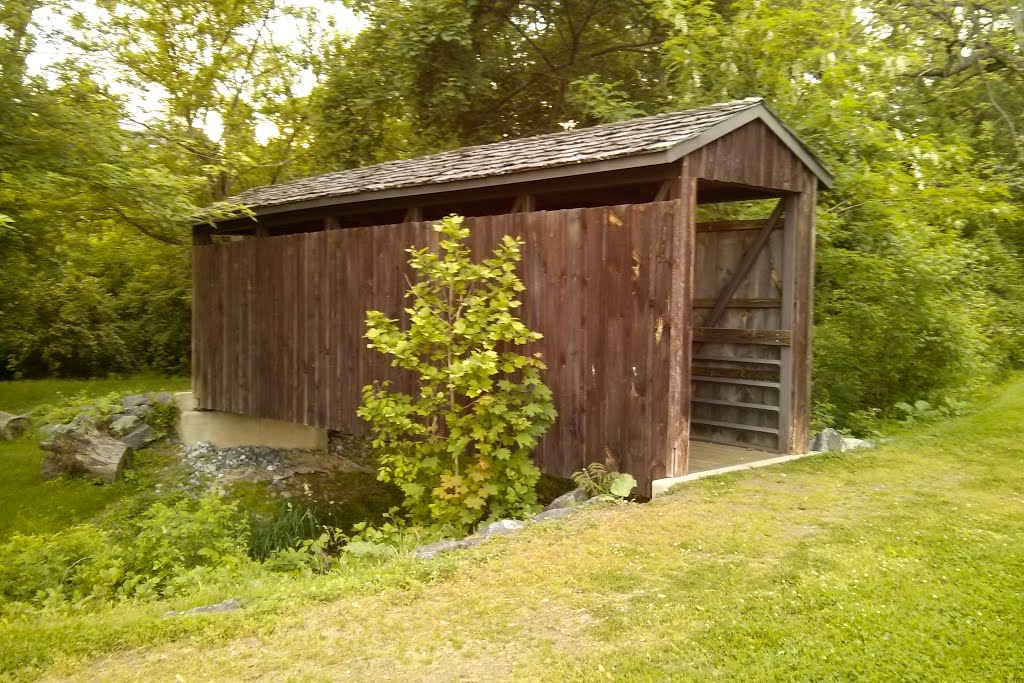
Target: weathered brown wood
735	359
202	234
797	312
280	325
12	426
734	425
718	335
739	303
332	223
80	450
737	404
413	214
743	269
730	225
524	203
679	323
665	190
750	156
733	380
736	373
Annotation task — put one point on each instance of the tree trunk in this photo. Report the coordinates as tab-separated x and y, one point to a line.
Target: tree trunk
84	451
12	426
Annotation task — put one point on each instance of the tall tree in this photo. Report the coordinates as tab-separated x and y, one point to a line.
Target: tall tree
426	75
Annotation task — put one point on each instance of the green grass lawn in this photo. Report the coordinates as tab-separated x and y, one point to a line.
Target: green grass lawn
30	505
905	562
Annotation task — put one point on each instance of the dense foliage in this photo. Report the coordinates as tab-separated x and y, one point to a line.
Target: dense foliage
107	154
461	447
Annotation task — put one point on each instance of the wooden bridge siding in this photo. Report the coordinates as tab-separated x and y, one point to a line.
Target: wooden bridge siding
752	156
279	324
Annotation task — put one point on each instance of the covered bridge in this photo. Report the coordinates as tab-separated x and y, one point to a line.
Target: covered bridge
663	332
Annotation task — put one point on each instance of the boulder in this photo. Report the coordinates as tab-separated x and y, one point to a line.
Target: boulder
140	437
135	400
554	513
850	443
432	550
82	450
161	397
123	424
566	500
502	526
12	426
229	605
137	411
828	440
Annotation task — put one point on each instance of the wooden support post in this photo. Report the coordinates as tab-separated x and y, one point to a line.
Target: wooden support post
332	223
261	230
665	191
202	235
677	440
524	203
797	314
413	214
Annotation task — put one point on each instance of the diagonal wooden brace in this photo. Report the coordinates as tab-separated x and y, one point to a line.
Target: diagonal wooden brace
746	263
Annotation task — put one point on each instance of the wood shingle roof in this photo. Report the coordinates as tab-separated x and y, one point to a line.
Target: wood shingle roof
662	138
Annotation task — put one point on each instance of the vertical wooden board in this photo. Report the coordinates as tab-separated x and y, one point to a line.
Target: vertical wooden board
802	314
644	228
660	328
199	280
573	231
224	315
634	335
333	277
264	312
616	274
293	297
351	346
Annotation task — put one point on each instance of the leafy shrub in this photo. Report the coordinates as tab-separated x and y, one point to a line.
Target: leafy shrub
923	411
167	540
460	447
596	480
163	418
85	563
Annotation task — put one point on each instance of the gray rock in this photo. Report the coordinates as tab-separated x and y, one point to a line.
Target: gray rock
850	443
555	513
574	497
161	397
139	438
828	440
135	400
501	527
432	550
124	424
137	411
229	605
83	421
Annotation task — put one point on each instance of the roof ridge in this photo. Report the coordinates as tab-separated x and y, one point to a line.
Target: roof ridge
612	125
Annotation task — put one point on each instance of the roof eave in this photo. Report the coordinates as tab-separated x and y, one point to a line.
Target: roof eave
549	173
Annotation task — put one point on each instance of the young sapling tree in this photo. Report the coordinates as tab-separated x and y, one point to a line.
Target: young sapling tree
460	447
